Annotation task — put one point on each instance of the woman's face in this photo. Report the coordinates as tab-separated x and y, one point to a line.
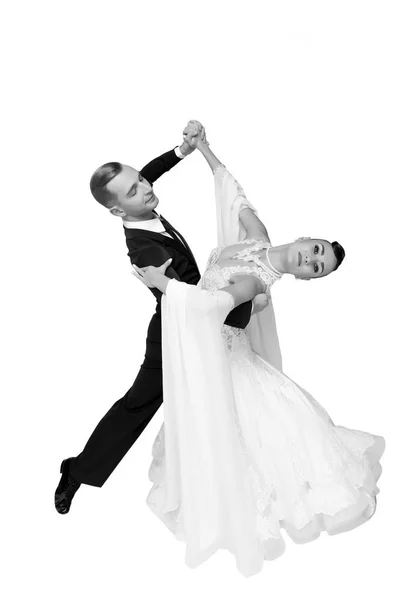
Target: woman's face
309	258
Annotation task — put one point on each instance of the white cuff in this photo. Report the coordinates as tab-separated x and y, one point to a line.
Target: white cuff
178	152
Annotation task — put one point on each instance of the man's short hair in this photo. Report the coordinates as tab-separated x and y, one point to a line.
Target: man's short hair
99	180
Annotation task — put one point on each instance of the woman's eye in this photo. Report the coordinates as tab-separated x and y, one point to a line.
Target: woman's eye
316	249
315	268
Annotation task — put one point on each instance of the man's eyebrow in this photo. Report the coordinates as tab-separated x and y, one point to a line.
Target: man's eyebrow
323	249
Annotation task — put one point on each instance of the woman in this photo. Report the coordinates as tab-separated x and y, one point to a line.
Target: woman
245	452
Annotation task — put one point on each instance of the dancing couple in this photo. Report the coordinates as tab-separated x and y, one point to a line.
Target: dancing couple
244	452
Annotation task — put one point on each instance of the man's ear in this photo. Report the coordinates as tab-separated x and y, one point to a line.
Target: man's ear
117	212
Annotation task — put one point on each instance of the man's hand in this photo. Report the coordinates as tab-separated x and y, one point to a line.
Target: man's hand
193	131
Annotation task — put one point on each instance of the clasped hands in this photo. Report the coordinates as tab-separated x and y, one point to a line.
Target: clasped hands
193	134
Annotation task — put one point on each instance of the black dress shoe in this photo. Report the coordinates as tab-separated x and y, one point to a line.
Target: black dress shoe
66	489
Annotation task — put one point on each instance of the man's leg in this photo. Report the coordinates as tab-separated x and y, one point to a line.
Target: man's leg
127	418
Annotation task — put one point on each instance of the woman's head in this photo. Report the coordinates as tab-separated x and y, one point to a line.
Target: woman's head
311	258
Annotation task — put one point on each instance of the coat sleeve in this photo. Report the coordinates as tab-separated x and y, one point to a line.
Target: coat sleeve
160	165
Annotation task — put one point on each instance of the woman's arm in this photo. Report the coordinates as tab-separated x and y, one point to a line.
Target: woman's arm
253	226
160	281
204	148
153	277
243	288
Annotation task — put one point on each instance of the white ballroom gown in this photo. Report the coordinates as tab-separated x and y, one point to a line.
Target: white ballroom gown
244	452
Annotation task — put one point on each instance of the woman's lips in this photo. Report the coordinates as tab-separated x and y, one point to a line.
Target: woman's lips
299	259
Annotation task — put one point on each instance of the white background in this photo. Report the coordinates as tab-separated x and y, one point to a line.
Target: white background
300	101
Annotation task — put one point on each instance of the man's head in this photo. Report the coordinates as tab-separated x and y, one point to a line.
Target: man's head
123	191
310	258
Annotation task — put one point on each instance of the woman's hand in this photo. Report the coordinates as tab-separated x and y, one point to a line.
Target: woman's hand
195	141
148	275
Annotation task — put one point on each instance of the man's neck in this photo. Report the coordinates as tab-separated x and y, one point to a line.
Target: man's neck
148	217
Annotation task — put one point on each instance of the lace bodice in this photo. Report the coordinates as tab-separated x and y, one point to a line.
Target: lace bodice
216	277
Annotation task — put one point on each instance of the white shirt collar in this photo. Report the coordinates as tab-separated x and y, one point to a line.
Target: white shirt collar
150	225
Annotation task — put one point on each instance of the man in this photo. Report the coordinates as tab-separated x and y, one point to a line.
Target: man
151	240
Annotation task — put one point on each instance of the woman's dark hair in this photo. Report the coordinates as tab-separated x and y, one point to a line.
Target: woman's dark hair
339	252
99	180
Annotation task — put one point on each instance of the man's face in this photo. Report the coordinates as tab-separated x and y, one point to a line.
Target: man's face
311	258
134	196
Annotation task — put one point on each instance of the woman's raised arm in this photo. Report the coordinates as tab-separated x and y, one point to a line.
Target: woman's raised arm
204	148
253	226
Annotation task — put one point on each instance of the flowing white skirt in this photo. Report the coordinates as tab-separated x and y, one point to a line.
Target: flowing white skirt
244	452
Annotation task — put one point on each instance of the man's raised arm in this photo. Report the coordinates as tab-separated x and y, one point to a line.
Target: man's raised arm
163	163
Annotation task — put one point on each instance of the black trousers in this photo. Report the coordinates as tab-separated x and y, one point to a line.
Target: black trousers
127	418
